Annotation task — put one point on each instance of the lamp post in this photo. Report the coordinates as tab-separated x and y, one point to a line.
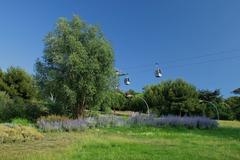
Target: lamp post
214	106
147	106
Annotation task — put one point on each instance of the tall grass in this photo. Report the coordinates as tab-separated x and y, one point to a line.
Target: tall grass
17	133
131	143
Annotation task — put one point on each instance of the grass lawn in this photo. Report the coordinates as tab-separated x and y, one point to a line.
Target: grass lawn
132	144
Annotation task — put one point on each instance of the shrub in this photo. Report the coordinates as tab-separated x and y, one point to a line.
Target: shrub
59	123
18	133
17	107
21	121
35	109
109	121
174	121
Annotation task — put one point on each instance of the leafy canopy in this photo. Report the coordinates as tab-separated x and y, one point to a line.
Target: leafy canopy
77	65
17	83
172	97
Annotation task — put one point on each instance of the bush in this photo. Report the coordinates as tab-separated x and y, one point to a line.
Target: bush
21	121
59	123
18	108
17	133
34	109
174	121
108	121
13	110
18	95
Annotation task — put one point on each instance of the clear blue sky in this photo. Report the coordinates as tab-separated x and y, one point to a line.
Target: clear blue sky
142	32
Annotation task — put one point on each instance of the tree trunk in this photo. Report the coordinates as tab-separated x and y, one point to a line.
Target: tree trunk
79	109
82	109
180	113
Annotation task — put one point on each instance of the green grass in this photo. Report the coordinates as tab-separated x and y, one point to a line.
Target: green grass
144	143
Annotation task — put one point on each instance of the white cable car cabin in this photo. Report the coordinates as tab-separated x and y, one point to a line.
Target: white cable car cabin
127	81
158	73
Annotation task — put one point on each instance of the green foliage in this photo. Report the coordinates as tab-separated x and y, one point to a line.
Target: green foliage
4	100
77	66
135	103
210	100
30	110
234	104
35	109
116	100
112	100
21	121
173	97
10	108
10	133
18	95
18	83
5	103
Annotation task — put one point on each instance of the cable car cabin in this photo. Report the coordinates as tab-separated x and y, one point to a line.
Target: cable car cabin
127	81
158	73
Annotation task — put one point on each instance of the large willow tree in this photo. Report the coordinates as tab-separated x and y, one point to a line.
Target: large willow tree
77	66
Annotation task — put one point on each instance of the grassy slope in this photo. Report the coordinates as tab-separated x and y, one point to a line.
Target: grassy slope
132	144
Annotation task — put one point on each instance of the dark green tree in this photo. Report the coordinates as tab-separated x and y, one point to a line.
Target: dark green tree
112	100
16	82
5	103
234	103
173	97
236	91
3	86
210	96
134	102
18	95
213	102
77	66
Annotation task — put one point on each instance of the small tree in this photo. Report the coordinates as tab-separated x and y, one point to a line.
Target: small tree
16	82
77	66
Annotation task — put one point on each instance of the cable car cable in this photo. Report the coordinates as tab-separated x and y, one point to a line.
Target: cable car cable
190	64
183	59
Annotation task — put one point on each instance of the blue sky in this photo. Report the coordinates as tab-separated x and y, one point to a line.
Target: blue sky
197	40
